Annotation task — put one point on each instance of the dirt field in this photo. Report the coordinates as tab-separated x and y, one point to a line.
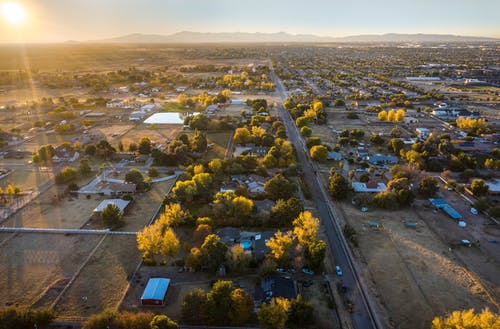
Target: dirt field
103	280
220	141
159	134
25	178
45	212
414	272
32	263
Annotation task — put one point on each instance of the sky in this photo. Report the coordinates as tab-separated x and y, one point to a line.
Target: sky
84	20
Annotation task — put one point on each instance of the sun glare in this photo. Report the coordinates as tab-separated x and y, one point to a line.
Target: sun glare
13	13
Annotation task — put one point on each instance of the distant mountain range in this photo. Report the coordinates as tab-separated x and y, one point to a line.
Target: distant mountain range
243	37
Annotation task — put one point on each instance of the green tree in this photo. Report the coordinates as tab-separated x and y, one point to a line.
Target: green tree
428	186
338	186
468	319
300	314
214	251
396	145
163	322
199	142
145	145
273	315
219	302
305	131
194	307
285	211
84	167
241	307
134	176
242	136
111	215
319	152
66	175
479	187
185	191
315	254
279	187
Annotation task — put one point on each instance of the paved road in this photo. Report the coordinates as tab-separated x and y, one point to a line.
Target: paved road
363	316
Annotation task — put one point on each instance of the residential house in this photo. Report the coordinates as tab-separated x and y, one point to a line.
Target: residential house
368	187
381	159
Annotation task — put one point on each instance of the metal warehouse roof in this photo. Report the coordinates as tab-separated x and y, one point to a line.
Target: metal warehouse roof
156	289
451	212
439	203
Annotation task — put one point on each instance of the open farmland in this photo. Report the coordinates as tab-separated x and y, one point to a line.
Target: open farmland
415	274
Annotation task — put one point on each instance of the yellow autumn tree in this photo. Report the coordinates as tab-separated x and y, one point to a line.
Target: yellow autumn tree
382	116
468	319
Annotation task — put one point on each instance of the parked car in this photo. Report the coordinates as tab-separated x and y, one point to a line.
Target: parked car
307	271
473	211
280	270
364	209
338	269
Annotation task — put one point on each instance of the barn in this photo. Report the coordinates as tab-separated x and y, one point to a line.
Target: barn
155	292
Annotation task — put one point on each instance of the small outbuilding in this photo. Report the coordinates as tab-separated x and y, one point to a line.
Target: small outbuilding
155	292
120	203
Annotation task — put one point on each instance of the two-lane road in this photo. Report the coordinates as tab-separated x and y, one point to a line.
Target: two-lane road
363	316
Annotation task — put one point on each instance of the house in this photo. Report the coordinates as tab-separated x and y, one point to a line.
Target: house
148	107
229	186
423	133
155	292
120	203
381	159
368	187
110	188
63	154
273	287
237	101
137	115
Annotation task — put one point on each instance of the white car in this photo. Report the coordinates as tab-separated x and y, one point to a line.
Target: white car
473	211
338	269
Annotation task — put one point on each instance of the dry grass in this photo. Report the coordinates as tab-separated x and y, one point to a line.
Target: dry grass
415	274
103	280
26	178
31	263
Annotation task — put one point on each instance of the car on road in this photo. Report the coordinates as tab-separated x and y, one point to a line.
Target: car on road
364	209
338	269
306	270
473	211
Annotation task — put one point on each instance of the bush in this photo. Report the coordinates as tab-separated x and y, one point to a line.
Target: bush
20	318
66	175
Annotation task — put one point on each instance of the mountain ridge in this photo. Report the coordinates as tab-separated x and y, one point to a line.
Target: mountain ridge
243	37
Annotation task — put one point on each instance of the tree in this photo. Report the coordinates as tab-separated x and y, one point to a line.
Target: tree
145	145
66	175
279	187
382	116
201	232
238	258
281	245
199	142
104	149
312	141
301	313
396	145
285	211
20	318
84	167
219	302
241	307
274	314
305	131
242	136
315	254
338	186
185	191
468	319
242	206
376	139
306	228
391	115
428	186
319	152
214	251
111	215
158	239
174	215
163	322
134	176
46	152
119	320
479	187
193	307
302	121
400	116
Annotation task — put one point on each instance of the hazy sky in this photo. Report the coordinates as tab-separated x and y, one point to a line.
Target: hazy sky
61	20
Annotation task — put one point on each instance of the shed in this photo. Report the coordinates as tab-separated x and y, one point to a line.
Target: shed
155	292
120	203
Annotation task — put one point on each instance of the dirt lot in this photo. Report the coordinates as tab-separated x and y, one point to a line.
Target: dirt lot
25	178
415	274
103	280
32	263
159	134
46	212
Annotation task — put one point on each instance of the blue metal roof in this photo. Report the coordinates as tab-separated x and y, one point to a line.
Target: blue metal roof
451	212
156	289
438	203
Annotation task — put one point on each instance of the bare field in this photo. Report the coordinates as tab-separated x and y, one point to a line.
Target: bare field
103	280
32	263
46	212
220	141
415	274
26	178
159	134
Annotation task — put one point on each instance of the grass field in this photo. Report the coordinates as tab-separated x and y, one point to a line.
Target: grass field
25	178
32	263
174	107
